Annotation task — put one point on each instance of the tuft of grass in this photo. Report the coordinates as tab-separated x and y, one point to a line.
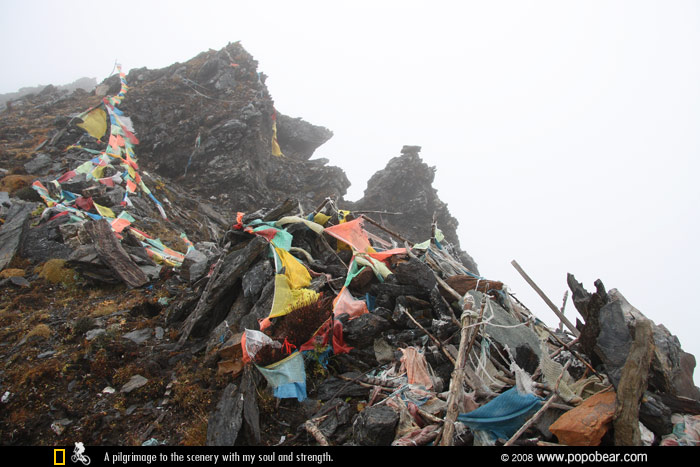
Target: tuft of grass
40	331
45	371
12	272
12	183
82	325
195	433
105	308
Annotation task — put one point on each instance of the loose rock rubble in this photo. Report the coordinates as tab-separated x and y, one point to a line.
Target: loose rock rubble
206	283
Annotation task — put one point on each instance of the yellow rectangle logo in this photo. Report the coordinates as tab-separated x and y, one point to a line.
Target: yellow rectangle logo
62	460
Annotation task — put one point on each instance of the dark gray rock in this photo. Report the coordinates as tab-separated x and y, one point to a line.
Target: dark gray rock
217	298
226	421
16	281
39	164
236	408
375	426
139	336
337	417
335	387
387	190
256	278
361	331
614	340
415	273
45	241
12	229
298	138
655	415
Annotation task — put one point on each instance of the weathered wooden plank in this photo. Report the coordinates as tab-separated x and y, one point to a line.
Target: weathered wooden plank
633	383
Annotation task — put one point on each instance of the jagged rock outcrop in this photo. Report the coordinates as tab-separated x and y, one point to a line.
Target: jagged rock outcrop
405	186
86	84
208	123
299	138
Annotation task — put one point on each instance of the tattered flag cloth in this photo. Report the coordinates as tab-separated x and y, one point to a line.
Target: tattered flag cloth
504	415
345	303
276	151
297	275
94	122
287	377
329	336
353	234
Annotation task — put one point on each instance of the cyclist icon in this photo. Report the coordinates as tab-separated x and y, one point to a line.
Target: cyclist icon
78	455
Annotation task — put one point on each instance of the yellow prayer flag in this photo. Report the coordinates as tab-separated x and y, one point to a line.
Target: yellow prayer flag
321	218
99	171
287	299
95	123
276	150
104	211
296	273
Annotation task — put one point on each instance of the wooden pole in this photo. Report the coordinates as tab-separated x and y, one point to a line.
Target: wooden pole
457	381
379	226
432	338
633	383
546	299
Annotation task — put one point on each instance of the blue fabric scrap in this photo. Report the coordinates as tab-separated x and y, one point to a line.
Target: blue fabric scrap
504	415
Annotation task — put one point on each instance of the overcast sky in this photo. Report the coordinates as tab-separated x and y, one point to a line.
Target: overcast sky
565	134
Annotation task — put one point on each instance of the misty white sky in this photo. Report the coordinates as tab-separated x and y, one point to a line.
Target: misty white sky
565	134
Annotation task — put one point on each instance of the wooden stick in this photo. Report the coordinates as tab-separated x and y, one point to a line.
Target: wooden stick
381	227
432	338
446	436
312	427
537	415
561	349
321	206
574	353
546	299
379	212
479	321
563	307
447	287
325	242
430	418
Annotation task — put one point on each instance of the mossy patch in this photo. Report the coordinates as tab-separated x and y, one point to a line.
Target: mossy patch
105	308
12	183
12	273
38	332
56	272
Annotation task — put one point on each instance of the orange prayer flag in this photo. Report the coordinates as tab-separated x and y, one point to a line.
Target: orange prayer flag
353	234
